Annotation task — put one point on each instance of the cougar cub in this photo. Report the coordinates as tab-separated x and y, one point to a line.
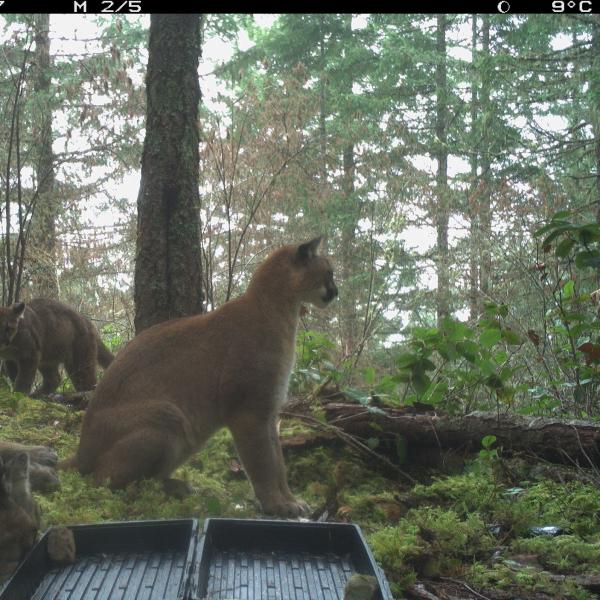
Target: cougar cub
45	334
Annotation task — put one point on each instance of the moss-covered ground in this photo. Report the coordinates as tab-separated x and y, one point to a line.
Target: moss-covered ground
474	527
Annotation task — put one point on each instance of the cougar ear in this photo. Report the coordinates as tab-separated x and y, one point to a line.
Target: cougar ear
18	308
309	250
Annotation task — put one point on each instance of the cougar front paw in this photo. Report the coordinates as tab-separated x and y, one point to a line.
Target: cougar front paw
42	455
43	479
286	508
177	488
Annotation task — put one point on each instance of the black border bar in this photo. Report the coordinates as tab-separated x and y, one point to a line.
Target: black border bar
108	7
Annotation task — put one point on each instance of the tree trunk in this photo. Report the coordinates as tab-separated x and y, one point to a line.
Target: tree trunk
485	210
42	241
168	280
348	297
322	103
441	154
554	439
348	320
472	198
595	99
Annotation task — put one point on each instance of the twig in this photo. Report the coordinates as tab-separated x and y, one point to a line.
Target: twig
350	440
468	587
590	461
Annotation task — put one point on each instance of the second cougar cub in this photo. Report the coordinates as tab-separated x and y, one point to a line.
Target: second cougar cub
44	334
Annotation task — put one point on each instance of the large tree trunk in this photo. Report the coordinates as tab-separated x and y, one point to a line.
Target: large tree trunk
322	103
42	241
441	154
485	210
595	108
472	199
168	281
348	297
556	440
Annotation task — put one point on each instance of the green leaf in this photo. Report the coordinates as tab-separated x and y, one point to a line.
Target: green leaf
557	232
373	442
487	441
588	258
568	289
369	376
386	385
407	359
506	373
550	227
426	365
401	449
425	333
588	233
490	337
511	337
500	356
469	350
489	323
420	382
447	351
493	381
485	366
435	393
564	248
403	376
358	396
506	393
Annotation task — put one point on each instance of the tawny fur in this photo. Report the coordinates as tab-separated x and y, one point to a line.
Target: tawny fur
178	382
42	463
43	334
19	513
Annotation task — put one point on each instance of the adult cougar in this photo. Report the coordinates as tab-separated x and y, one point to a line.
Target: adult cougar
178	382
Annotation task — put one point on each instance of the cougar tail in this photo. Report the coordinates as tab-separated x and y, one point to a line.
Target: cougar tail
105	356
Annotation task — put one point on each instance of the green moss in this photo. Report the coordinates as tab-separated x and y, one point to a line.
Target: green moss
430	541
466	493
523	581
564	553
220	491
438	529
398	549
573	505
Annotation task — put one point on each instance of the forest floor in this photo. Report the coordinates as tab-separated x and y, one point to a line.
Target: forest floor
469	535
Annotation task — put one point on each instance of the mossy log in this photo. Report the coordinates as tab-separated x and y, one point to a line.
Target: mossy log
564	441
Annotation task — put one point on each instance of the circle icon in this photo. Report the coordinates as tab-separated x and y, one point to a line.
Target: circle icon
503	6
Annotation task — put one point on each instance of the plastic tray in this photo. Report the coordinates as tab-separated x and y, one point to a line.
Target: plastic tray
141	560
283	560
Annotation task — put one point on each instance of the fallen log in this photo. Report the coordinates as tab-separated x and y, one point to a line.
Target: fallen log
564	441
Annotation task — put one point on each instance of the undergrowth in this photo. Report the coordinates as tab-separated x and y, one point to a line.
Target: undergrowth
471	526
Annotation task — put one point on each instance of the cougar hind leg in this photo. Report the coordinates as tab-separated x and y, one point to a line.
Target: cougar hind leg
161	442
142	454
82	371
